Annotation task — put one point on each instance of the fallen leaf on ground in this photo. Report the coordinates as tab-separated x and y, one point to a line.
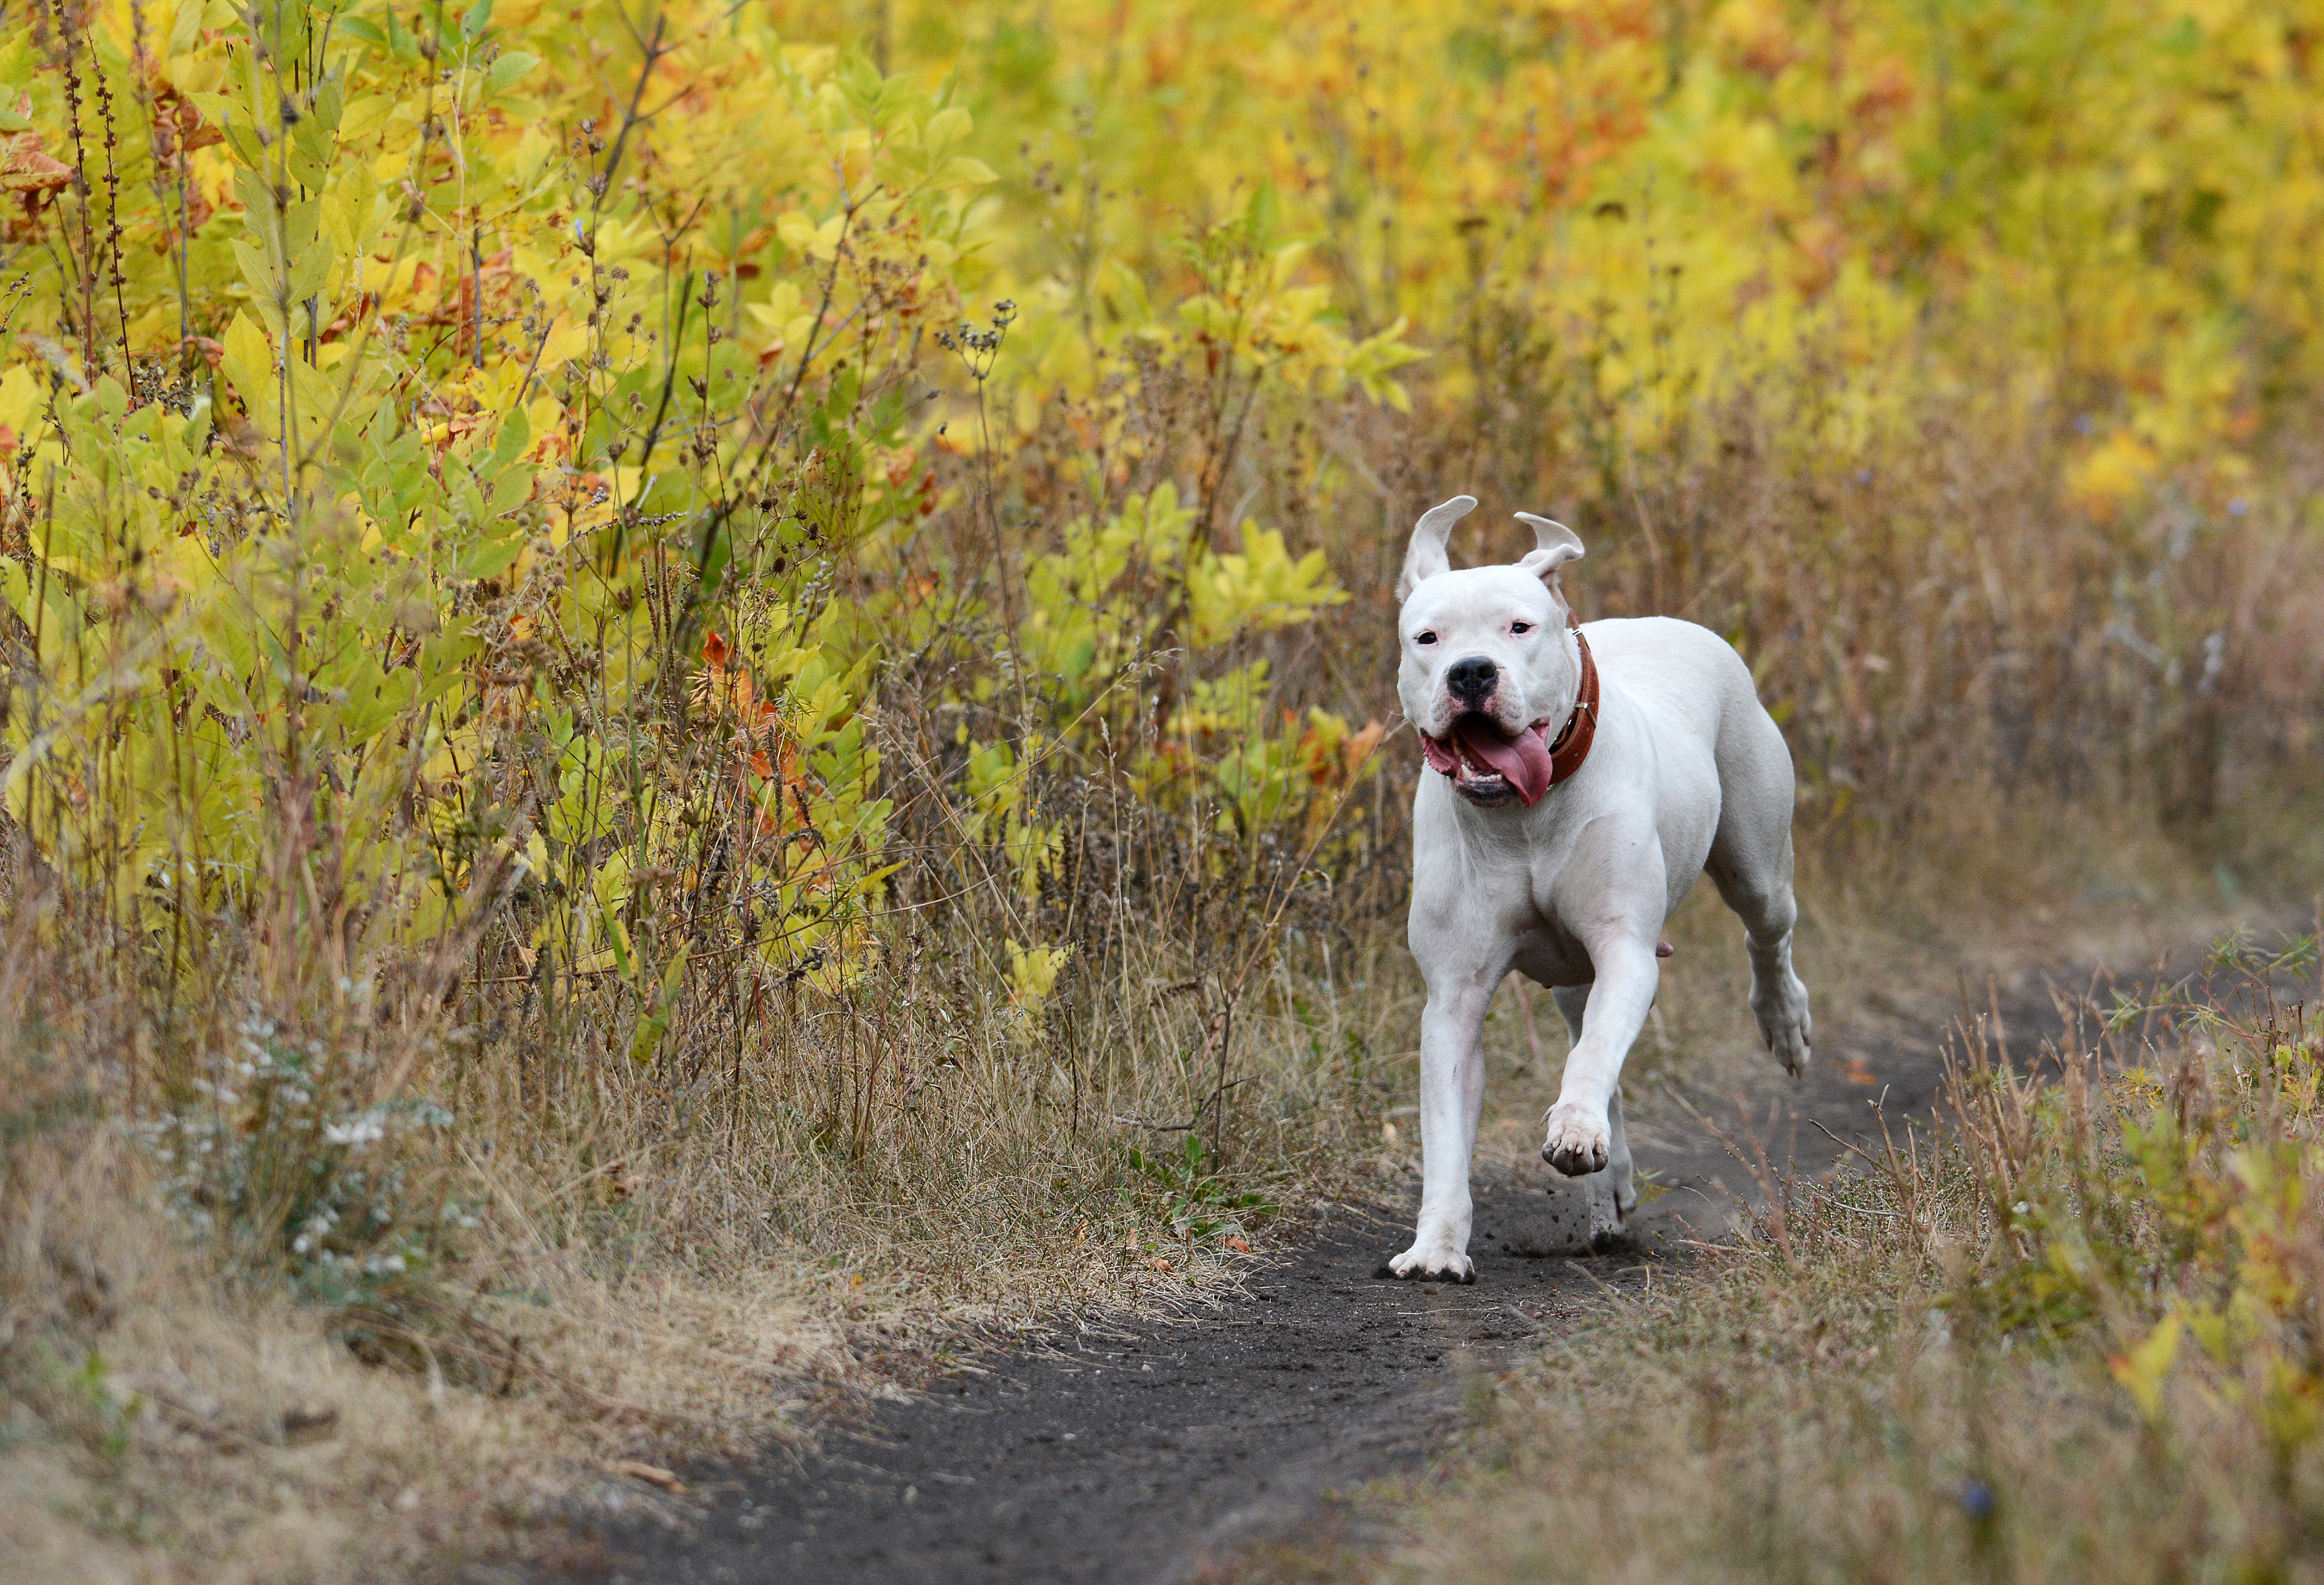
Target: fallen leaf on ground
653	1474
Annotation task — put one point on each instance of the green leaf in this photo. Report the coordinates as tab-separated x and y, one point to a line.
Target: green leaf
311	145
311	269
656	1022
243	141
186	26
946	128
514	438
507	69
401	41
1263	214
487	557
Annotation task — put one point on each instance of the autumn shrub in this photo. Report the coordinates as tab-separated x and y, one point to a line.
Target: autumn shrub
535	740
1958	364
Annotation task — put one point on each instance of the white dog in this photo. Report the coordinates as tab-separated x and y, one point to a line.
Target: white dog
1578	779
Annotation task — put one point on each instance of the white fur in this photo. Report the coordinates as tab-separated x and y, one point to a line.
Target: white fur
1688	774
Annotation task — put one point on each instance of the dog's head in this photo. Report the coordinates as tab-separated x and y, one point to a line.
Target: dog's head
1489	673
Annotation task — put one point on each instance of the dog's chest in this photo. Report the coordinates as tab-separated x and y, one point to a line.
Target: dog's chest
1525	901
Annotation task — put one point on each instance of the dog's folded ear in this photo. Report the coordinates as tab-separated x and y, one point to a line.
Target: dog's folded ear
1558	545
1426	557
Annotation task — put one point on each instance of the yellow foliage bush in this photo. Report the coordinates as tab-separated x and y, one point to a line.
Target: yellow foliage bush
459	532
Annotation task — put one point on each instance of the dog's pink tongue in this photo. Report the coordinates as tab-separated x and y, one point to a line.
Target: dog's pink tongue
1524	764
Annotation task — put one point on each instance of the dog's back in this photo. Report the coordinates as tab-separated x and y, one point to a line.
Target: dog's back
1680	670
1691	681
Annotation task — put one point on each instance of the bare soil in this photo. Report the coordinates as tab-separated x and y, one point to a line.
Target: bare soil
1153	1449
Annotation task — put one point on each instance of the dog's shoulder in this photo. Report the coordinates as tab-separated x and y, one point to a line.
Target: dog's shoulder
1664	660
1619	640
1668	629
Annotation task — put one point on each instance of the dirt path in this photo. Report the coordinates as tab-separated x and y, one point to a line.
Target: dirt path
1137	1450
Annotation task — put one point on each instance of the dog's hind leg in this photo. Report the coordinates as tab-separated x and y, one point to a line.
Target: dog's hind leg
1620	1176
1573	1002
1751	864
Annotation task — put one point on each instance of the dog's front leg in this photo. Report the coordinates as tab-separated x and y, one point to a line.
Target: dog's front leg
1451	1092
1580	1133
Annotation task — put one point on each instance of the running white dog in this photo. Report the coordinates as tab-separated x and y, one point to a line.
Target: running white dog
1578	779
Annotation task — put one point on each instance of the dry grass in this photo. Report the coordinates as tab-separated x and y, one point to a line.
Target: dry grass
688	1293
159	1415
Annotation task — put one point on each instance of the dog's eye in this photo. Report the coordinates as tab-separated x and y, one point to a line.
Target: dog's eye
1424	638
1520	627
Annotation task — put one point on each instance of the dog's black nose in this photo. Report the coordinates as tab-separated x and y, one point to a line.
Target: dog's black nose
1472	679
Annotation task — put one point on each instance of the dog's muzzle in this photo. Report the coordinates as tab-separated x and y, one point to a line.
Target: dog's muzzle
1487	767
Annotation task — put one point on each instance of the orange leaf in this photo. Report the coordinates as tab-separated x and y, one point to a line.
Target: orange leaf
26	170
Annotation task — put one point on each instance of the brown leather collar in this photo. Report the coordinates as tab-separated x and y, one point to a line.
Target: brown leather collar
1572	742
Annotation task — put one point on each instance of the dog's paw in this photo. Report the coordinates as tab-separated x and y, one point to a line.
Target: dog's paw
1608	1217
1783	1022
1423	1263
1611	1241
1579	1143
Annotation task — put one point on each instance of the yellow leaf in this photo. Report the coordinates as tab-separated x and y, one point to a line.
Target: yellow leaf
802	234
2141	1370
186	26
1033	973
20	397
946	128
248	365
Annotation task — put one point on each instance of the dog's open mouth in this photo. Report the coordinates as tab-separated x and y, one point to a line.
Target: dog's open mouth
1487	767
